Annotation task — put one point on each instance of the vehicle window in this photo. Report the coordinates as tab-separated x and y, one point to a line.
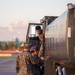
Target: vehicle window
32	31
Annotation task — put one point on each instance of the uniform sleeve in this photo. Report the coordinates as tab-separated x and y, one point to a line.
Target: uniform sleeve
41	37
17	64
41	51
35	60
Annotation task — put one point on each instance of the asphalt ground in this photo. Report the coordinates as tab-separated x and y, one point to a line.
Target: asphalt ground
7	66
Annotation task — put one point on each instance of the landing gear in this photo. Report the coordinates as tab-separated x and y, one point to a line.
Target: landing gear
55	68
65	71
61	71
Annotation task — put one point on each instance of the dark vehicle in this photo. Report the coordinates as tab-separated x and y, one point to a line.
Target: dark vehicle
32	36
59	42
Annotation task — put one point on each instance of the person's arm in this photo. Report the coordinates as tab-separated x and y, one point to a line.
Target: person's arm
35	59
41	51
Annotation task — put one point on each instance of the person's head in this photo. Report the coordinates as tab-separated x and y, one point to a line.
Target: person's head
25	46
34	50
38	29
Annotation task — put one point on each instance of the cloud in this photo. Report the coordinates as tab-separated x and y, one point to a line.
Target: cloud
15	29
10	29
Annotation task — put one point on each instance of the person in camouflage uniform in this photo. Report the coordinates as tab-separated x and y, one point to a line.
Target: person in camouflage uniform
41	51
41	38
25	62
34	50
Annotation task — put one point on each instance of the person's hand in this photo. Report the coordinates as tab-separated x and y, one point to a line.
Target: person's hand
42	58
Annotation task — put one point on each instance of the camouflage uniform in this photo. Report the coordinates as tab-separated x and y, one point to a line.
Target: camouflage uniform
37	67
25	62
41	52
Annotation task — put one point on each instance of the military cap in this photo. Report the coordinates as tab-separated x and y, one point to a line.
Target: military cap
25	45
34	48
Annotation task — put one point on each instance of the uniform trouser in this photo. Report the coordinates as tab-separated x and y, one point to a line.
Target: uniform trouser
42	70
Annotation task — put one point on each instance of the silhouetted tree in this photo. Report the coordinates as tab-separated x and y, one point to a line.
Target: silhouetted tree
0	45
6	46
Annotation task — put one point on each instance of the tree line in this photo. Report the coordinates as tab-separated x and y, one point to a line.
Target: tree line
5	45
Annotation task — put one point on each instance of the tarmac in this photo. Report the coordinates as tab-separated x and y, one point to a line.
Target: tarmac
7	66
